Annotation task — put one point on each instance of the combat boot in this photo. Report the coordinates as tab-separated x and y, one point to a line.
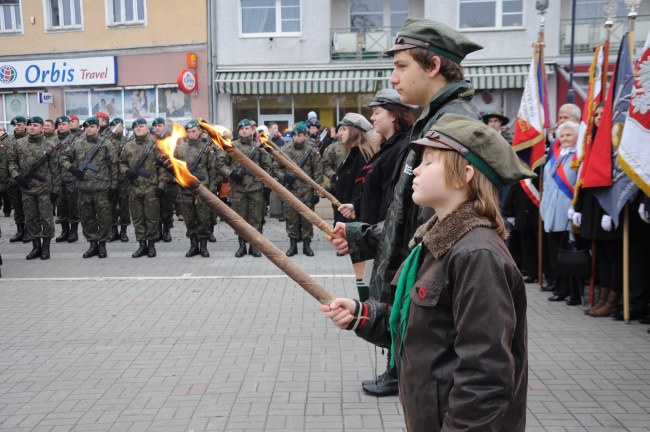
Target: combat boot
242	248
65	232
252	250
385	384
20	232
293	247
211	237
45	249
92	251
101	250
36	250
73	236
203	247
166	235
306	249
141	251
26	237
151	248
123	236
194	246
114	234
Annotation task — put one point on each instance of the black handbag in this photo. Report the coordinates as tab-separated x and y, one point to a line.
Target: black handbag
573	261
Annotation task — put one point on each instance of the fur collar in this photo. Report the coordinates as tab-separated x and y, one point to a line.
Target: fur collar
439	236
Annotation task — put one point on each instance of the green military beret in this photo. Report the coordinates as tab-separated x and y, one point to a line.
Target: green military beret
62	119
117	121
481	145
92	121
192	124
18	119
435	37
35	119
242	123
139	121
157	121
356	120
300	128
387	97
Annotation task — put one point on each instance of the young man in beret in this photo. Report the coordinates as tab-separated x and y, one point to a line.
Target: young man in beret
427	73
167	201
19	124
104	121
120	210
38	187
68	202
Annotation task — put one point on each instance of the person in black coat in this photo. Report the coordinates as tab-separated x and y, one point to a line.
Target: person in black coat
523	215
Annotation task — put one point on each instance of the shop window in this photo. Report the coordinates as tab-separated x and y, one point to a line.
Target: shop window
242	107
490	14
78	103
173	103
270	17
126	12
63	14
36	108
275	104
108	101
21	104
324	105
10	17
355	103
366	15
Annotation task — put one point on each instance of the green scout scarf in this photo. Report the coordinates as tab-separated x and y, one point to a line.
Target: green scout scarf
399	313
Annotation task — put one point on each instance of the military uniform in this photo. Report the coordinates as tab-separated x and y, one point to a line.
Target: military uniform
36	194
144	192
120	212
68	201
94	188
4	175
13	189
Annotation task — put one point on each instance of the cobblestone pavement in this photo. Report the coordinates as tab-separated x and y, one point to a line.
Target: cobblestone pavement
226	344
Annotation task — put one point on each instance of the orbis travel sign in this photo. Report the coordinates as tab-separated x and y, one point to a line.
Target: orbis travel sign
59	73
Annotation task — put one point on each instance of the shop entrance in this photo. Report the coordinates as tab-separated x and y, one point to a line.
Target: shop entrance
284	121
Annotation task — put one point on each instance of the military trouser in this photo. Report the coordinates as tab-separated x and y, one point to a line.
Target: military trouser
196	215
167	203
178	199
68	202
15	196
145	213
5	201
297	226
250	206
39	219
120	214
95	215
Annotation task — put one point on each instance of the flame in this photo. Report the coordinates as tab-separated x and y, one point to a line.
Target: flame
168	146
264	139
219	134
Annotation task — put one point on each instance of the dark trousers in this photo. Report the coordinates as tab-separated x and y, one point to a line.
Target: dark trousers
16	197
564	285
5	202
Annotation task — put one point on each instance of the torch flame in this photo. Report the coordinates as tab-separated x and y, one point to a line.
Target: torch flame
168	146
264	139
219	134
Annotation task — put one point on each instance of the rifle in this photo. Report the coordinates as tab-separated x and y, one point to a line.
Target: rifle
291	178
197	160
31	172
241	171
120	148
70	138
321	137
4	136
137	168
88	160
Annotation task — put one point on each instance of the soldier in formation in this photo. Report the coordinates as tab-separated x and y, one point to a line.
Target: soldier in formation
169	190
15	196
120	212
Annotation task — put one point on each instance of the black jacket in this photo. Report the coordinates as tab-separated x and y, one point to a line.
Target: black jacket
349	181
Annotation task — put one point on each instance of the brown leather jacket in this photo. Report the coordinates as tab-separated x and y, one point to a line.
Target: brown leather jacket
464	361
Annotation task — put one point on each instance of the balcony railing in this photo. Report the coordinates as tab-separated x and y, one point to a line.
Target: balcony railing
590	32
361	43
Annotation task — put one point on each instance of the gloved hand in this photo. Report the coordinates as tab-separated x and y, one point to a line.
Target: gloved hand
236	177
22	181
571	213
289	179
76	172
577	219
130	175
159	193
511	221
53	197
315	199
112	194
606	223
643	213
166	163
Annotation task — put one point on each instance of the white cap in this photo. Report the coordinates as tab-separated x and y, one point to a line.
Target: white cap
311	115
262	128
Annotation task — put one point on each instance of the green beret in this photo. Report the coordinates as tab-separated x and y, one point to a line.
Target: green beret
435	37
242	123
157	121
356	120
35	119
92	121
18	119
300	128
481	145
138	121
388	96
116	121
62	119
192	124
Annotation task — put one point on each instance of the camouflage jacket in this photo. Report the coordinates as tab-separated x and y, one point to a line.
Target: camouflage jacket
106	159
24	155
332	159
9	144
387	241
312	165
129	157
66	177
187	151
4	165
226	164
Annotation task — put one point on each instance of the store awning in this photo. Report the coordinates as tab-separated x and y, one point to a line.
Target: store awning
356	81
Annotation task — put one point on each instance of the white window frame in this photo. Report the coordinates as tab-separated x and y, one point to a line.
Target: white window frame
278	23
18	24
123	23
49	27
498	15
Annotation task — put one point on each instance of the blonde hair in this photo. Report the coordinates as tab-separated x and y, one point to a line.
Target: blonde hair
481	192
358	138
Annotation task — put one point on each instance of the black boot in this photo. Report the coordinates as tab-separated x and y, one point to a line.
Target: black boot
65	232
101	250
166	235
36	250
203	247
20	232
123	236
141	251
151	248
92	251
384	385
194	246
114	234
26	237
242	248
211	237
73	236
293	247
306	249
252	250
45	249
